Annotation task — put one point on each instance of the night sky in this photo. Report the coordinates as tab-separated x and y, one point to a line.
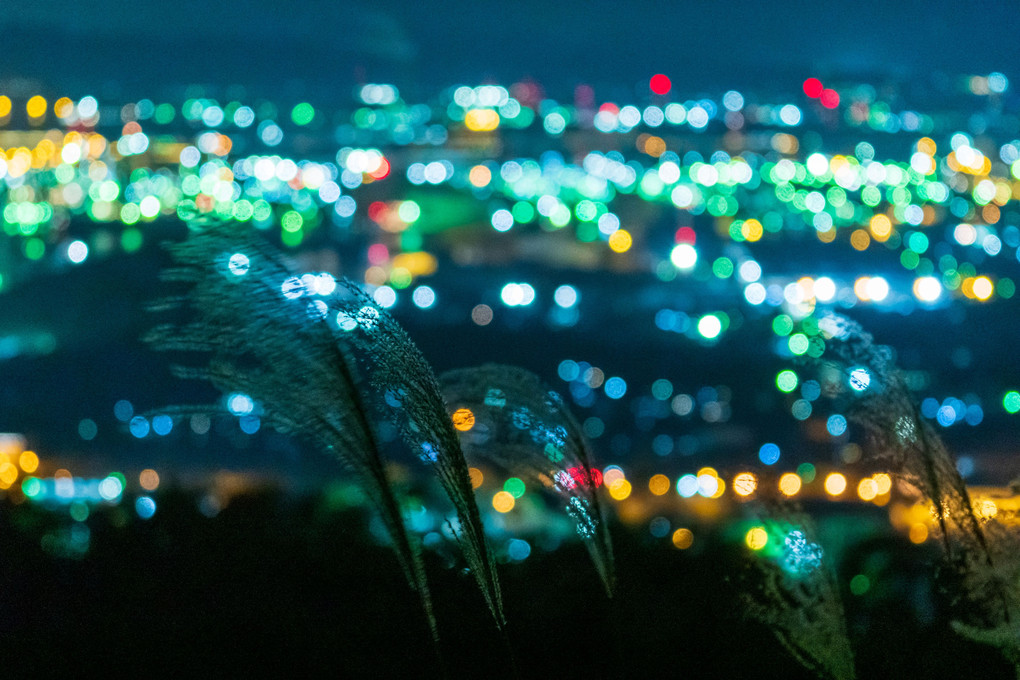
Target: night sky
316	47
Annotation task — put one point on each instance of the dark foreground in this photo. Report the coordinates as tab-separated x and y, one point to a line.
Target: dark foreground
277	585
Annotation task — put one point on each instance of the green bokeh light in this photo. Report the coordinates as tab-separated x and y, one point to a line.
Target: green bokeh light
292	221
31	486
798	343
34	248
782	325
514	486
302	114
787	381
807	472
523	212
860	584
131	240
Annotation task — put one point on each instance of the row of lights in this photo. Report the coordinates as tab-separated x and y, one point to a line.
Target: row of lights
708	484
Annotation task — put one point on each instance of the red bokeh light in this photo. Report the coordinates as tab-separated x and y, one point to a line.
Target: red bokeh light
813	87
829	98
382	171
660	83
378	254
377	211
581	477
686	235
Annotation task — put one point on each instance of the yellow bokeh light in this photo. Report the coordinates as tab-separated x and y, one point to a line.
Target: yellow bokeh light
789	484
480	176
149	479
983	288
653	146
683	538
503	501
97	145
463	419
881	227
927	145
867	489
620	489
752	230
918	533
883	483
42	153
63	107
5	106
481	120
860	240
861	288
8	474
745	484
476	477
659	485
36	107
620	241
417	263
756	538
29	461
835	484
1003	193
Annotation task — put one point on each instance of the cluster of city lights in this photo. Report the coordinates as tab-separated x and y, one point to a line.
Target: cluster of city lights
942	212
417	184
21	480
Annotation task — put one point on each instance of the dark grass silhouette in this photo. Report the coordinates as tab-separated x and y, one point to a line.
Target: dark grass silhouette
523	427
980	570
325	363
789	586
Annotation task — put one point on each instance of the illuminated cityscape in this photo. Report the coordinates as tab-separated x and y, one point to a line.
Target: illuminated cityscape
678	270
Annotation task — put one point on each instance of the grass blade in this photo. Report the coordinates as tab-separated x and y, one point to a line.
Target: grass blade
526	429
314	353
790	589
981	556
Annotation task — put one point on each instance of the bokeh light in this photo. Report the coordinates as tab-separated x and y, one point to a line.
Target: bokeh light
835	484
683	538
756	538
503	501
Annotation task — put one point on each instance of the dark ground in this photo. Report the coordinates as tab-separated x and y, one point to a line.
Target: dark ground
285	586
